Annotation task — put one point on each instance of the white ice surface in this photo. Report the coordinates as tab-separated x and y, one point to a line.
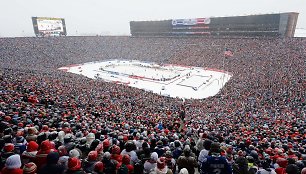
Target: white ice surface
182	82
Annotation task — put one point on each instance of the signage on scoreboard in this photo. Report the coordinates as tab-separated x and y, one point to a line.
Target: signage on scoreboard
195	21
46	26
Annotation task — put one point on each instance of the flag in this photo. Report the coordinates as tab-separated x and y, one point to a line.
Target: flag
228	53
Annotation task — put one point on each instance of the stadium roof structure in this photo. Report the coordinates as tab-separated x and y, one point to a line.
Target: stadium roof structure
261	25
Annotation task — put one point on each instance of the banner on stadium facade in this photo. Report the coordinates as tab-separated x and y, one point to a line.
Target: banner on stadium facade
194	21
203	20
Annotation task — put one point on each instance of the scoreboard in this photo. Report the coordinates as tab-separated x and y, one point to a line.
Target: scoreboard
282	24
46	26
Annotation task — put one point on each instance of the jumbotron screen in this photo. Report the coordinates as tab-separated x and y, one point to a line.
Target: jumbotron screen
46	26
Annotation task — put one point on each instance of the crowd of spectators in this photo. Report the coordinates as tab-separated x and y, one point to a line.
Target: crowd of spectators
57	122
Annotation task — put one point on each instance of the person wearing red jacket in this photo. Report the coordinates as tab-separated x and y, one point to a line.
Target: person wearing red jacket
116	155
282	162
126	160
41	156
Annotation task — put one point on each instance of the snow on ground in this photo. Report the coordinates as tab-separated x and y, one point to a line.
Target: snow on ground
168	80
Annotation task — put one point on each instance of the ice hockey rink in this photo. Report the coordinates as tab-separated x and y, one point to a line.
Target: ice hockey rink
167	79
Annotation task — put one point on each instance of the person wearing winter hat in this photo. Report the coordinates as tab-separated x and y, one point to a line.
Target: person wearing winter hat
31	134
29	155
126	160
68	142
51	166
30	168
12	165
41	156
7	151
282	163
123	169
89	162
60	136
161	167
63	159
151	163
106	145
74	153
98	168
170	162
8	147
99	149
74	166
110	165
116	155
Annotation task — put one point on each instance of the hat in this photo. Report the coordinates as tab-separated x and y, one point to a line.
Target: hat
99	166
67	137
90	136
116	149
161	163
154	156
183	171
74	164
92	156
29	168
32	146
62	150
45	145
8	147
126	159
13	162
74	153
106	143
168	154
106	155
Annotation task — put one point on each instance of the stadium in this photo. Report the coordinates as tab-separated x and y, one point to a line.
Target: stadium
60	114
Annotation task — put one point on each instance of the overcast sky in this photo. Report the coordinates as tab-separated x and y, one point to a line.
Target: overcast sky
111	17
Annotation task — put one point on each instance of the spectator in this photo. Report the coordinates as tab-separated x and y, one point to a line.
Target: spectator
187	161
51	165
74	166
215	162
150	164
30	168
12	165
30	154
